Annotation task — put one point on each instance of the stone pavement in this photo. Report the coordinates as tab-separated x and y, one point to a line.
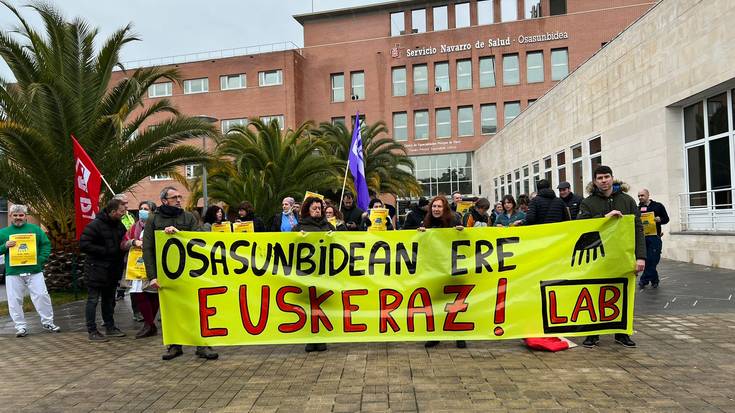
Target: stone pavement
685	361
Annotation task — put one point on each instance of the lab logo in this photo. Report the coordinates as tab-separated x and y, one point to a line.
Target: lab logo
395	51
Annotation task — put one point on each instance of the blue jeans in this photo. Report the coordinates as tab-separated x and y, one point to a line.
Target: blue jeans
653	256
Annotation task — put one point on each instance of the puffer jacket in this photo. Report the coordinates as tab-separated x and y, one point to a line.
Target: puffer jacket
100	240
597	205
546	208
310	224
158	221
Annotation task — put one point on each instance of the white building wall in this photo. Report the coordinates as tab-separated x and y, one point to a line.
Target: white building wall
630	93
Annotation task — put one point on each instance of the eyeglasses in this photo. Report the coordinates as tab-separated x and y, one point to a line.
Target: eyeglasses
175	197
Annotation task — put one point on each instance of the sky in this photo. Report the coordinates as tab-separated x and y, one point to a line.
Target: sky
175	27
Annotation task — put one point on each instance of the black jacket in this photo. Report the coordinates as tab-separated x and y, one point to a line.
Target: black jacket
572	202
437	223
158	221
100	240
414	218
310	224
257	222
353	215
546	208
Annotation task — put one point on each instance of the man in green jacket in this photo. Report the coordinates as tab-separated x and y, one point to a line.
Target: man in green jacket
170	218
22	276
608	199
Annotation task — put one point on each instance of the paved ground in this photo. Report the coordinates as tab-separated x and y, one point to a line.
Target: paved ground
685	362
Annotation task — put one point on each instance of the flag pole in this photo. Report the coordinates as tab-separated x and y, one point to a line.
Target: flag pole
107	183
344	182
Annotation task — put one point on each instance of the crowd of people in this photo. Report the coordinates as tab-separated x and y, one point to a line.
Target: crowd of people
109	239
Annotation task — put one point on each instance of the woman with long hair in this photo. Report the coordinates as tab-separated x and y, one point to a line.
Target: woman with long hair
214	215
511	215
331	212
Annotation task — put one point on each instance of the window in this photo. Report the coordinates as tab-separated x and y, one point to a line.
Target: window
227	124
338	87
230	82
531	102
418	21
397	24
352	121
517	181
278	118
510	111
420	125
489	119
196	86
547	170
270	78
160	177
497	192
577	170
485	12
158	90
444	173
399	81
441	77
535	67
443	123
487	71
694	122
464	74
536	173
508	10
462	15
717	115
193	170
420	80
400	126
465	123
561	168
557	7
559	64
595	146
440	18
532	9
357	80
526	186
338	119
510	70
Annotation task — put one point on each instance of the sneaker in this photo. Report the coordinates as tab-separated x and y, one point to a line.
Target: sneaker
146	331
430	344
51	328
172	352
21	332
641	287
114	332
591	341
625	341
654	285
206	353
461	344
98	337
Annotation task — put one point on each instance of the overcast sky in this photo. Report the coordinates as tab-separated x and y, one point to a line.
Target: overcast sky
174	27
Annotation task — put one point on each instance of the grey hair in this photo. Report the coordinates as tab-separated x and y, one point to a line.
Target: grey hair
164	191
18	209
151	205
121	197
289	199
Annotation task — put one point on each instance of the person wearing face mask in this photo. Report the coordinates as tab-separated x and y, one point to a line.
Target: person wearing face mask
143	298
285	220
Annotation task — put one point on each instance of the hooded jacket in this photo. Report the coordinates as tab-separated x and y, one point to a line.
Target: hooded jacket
546	208
472	218
597	205
414	218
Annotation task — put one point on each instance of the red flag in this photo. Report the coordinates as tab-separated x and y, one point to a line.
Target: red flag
87	182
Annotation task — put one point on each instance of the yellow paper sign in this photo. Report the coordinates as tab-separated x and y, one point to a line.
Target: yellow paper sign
464	206
310	194
649	223
378	219
223	226
246	226
333	221
135	268
566	279
24	251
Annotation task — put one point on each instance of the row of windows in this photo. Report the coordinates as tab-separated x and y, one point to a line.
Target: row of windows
444	174
485	11
226	82
523	179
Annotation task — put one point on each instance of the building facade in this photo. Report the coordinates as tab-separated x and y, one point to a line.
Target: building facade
656	104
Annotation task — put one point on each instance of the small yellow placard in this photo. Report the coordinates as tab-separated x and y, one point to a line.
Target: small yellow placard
310	194
135	269
378	219
464	206
24	251
223	226
333	221
649	223
246	226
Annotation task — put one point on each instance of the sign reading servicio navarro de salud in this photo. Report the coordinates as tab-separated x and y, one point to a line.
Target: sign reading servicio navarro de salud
573	278
480	44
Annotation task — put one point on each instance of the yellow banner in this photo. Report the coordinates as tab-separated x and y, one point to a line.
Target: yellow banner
135	268
649	223
223	226
570	279
24	251
246	226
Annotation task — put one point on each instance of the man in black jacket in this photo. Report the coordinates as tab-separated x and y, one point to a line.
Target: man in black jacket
103	267
571	199
415	215
351	212
545	207
653	241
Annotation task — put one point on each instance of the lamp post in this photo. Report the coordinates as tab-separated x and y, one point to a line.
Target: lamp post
205	197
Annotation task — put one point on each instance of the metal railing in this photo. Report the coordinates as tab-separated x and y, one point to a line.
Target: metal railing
710	211
214	54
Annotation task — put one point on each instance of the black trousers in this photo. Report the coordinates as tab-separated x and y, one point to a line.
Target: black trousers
105	294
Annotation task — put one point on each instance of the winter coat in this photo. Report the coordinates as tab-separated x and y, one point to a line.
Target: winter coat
504	220
437	223
572	202
310	224
275	222
352	215
258	224
101	240
597	205
546	208
474	219
414	218
158	221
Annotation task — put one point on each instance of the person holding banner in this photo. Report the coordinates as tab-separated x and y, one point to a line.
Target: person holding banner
285	220
335	217
170	218
246	213
608	199
416	214
477	215
441	216
650	208
26	248
143	297
214	215
511	216
103	267
366	223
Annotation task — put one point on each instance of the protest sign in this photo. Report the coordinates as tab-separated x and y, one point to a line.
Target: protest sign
135	268
378	219
246	226
24	252
223	226
649	223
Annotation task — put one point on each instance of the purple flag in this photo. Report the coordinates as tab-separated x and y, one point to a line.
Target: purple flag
357	166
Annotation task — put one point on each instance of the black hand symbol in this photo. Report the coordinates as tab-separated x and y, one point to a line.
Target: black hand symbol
589	242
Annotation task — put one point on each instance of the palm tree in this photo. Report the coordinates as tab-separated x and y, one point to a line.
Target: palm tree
63	87
268	164
387	165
